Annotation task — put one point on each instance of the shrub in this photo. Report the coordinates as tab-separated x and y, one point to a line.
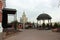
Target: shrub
43	25
55	25
59	26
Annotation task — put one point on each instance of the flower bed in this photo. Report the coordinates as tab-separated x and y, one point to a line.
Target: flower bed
56	30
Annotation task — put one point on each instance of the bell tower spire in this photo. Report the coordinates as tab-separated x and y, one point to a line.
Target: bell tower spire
23	19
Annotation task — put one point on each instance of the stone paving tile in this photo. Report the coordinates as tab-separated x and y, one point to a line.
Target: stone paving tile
33	34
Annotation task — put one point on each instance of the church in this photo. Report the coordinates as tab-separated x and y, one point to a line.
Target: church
23	19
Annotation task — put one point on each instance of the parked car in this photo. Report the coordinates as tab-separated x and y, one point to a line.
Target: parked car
1	32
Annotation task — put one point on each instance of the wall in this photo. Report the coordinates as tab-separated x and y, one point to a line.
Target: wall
1	6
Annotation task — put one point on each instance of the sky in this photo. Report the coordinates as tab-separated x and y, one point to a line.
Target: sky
33	8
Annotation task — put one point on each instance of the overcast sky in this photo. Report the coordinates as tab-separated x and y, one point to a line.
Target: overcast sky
33	8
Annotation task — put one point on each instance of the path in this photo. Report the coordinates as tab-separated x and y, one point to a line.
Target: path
33	34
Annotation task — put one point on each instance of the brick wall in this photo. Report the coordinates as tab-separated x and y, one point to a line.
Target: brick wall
1	6
0	17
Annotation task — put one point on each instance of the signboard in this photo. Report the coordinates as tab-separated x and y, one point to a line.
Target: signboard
5	13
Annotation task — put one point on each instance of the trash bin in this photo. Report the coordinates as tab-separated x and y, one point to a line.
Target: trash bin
1	32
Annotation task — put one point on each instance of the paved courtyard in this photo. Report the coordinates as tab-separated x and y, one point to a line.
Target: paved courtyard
34	34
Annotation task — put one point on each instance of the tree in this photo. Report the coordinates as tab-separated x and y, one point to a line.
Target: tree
15	24
43	25
59	26
55	25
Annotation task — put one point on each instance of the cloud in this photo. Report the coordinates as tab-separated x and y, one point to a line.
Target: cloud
34	7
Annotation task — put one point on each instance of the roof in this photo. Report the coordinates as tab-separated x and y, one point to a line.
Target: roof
44	17
9	10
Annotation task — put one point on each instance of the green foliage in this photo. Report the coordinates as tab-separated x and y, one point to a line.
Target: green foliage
56	25
43	25
47	25
59	26
15	24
